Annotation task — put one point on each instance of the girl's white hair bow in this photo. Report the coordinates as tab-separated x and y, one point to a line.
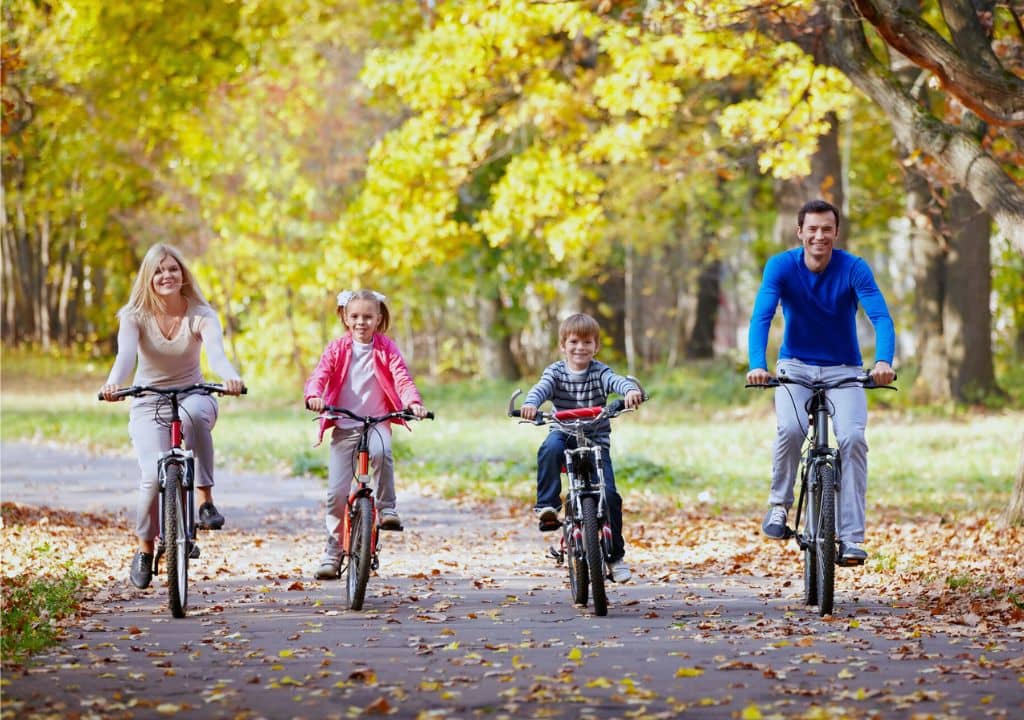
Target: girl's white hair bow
345	295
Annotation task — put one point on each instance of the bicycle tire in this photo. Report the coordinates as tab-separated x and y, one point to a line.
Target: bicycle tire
825	551
579	581
360	553
175	542
593	556
813	510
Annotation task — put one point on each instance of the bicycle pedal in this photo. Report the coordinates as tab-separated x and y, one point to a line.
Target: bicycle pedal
848	562
400	528
193	553
557	555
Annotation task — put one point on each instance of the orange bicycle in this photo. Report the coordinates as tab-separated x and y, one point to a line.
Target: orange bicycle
359	531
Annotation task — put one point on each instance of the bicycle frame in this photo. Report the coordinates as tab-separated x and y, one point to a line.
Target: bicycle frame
816	453
177	455
362	486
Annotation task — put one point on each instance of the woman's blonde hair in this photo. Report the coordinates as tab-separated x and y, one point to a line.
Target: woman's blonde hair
382	307
143	300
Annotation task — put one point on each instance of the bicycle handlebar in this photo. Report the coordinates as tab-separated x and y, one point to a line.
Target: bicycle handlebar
138	390
862	379
333	412
574	416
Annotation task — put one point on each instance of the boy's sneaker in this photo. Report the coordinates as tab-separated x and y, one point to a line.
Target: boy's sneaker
330	563
619	571
851	554
142	570
209	518
547	518
389	520
774	524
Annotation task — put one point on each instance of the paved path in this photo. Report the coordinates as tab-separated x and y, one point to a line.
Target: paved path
466	619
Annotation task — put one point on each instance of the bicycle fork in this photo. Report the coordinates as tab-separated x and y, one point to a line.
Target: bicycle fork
186	461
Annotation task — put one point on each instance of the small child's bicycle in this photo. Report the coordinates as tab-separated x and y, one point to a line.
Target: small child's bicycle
359	531
586	542
820	476
176	475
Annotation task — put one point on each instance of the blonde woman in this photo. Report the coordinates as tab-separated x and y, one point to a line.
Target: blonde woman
162	330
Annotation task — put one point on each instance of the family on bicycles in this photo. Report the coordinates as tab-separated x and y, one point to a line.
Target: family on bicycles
362	376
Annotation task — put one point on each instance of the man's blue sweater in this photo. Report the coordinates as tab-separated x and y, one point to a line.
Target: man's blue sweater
819	310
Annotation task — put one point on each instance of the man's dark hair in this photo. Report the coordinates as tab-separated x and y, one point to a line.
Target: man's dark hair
816	206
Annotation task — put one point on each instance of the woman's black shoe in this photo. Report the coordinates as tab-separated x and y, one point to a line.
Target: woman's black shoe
142	570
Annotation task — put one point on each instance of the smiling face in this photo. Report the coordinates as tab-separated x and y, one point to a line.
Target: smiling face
579	351
168	278
362	317
818	234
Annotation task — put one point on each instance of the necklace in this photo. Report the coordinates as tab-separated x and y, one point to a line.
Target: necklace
169	325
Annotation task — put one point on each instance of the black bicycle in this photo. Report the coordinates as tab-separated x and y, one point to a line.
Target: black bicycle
820	477
175	473
586	543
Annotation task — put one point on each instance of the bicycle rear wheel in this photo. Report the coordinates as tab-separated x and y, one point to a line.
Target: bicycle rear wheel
175	542
825	550
578	577
360	553
593	556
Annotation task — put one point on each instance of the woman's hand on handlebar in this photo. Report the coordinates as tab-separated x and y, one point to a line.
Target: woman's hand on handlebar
759	376
528	412
108	390
315	404
234	386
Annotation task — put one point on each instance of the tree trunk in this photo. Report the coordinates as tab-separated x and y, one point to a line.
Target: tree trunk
1014	512
928	250
496	358
629	314
702	336
968	316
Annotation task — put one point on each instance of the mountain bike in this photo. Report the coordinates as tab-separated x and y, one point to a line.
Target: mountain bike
360	525
820	477
586	540
175	472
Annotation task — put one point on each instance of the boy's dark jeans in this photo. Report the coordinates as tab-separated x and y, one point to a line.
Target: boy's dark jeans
550	460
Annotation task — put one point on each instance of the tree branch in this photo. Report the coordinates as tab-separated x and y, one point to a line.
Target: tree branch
975	77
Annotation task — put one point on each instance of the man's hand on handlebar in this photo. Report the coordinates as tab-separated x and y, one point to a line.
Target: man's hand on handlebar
759	376
882	373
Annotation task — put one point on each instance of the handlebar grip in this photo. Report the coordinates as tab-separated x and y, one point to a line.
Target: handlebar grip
429	415
514	413
245	390
616	406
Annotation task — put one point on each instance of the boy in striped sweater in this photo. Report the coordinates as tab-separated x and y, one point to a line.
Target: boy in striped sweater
579	381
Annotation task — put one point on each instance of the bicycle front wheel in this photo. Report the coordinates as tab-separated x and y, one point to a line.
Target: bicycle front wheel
175	542
360	553
592	552
578	576
825	538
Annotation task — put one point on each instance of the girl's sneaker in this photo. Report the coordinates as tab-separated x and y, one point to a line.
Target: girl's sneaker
330	563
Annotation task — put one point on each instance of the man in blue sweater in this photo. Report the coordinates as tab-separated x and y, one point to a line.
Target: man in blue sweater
820	288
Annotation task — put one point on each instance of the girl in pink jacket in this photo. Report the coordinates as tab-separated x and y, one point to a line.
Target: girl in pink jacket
364	372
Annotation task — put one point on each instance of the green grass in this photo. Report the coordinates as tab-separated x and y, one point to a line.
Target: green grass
702	440
32	608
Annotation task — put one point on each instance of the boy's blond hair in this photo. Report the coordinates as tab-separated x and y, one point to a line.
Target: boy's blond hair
580	325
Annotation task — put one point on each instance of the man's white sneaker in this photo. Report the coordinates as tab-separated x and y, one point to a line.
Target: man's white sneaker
619	571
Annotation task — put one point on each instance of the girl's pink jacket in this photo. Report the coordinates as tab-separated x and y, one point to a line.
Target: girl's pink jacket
389	367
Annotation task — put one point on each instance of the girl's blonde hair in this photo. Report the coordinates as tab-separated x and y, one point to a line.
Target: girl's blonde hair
143	300
382	308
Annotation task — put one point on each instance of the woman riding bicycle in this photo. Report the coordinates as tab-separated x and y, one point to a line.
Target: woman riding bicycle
820	288
163	328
